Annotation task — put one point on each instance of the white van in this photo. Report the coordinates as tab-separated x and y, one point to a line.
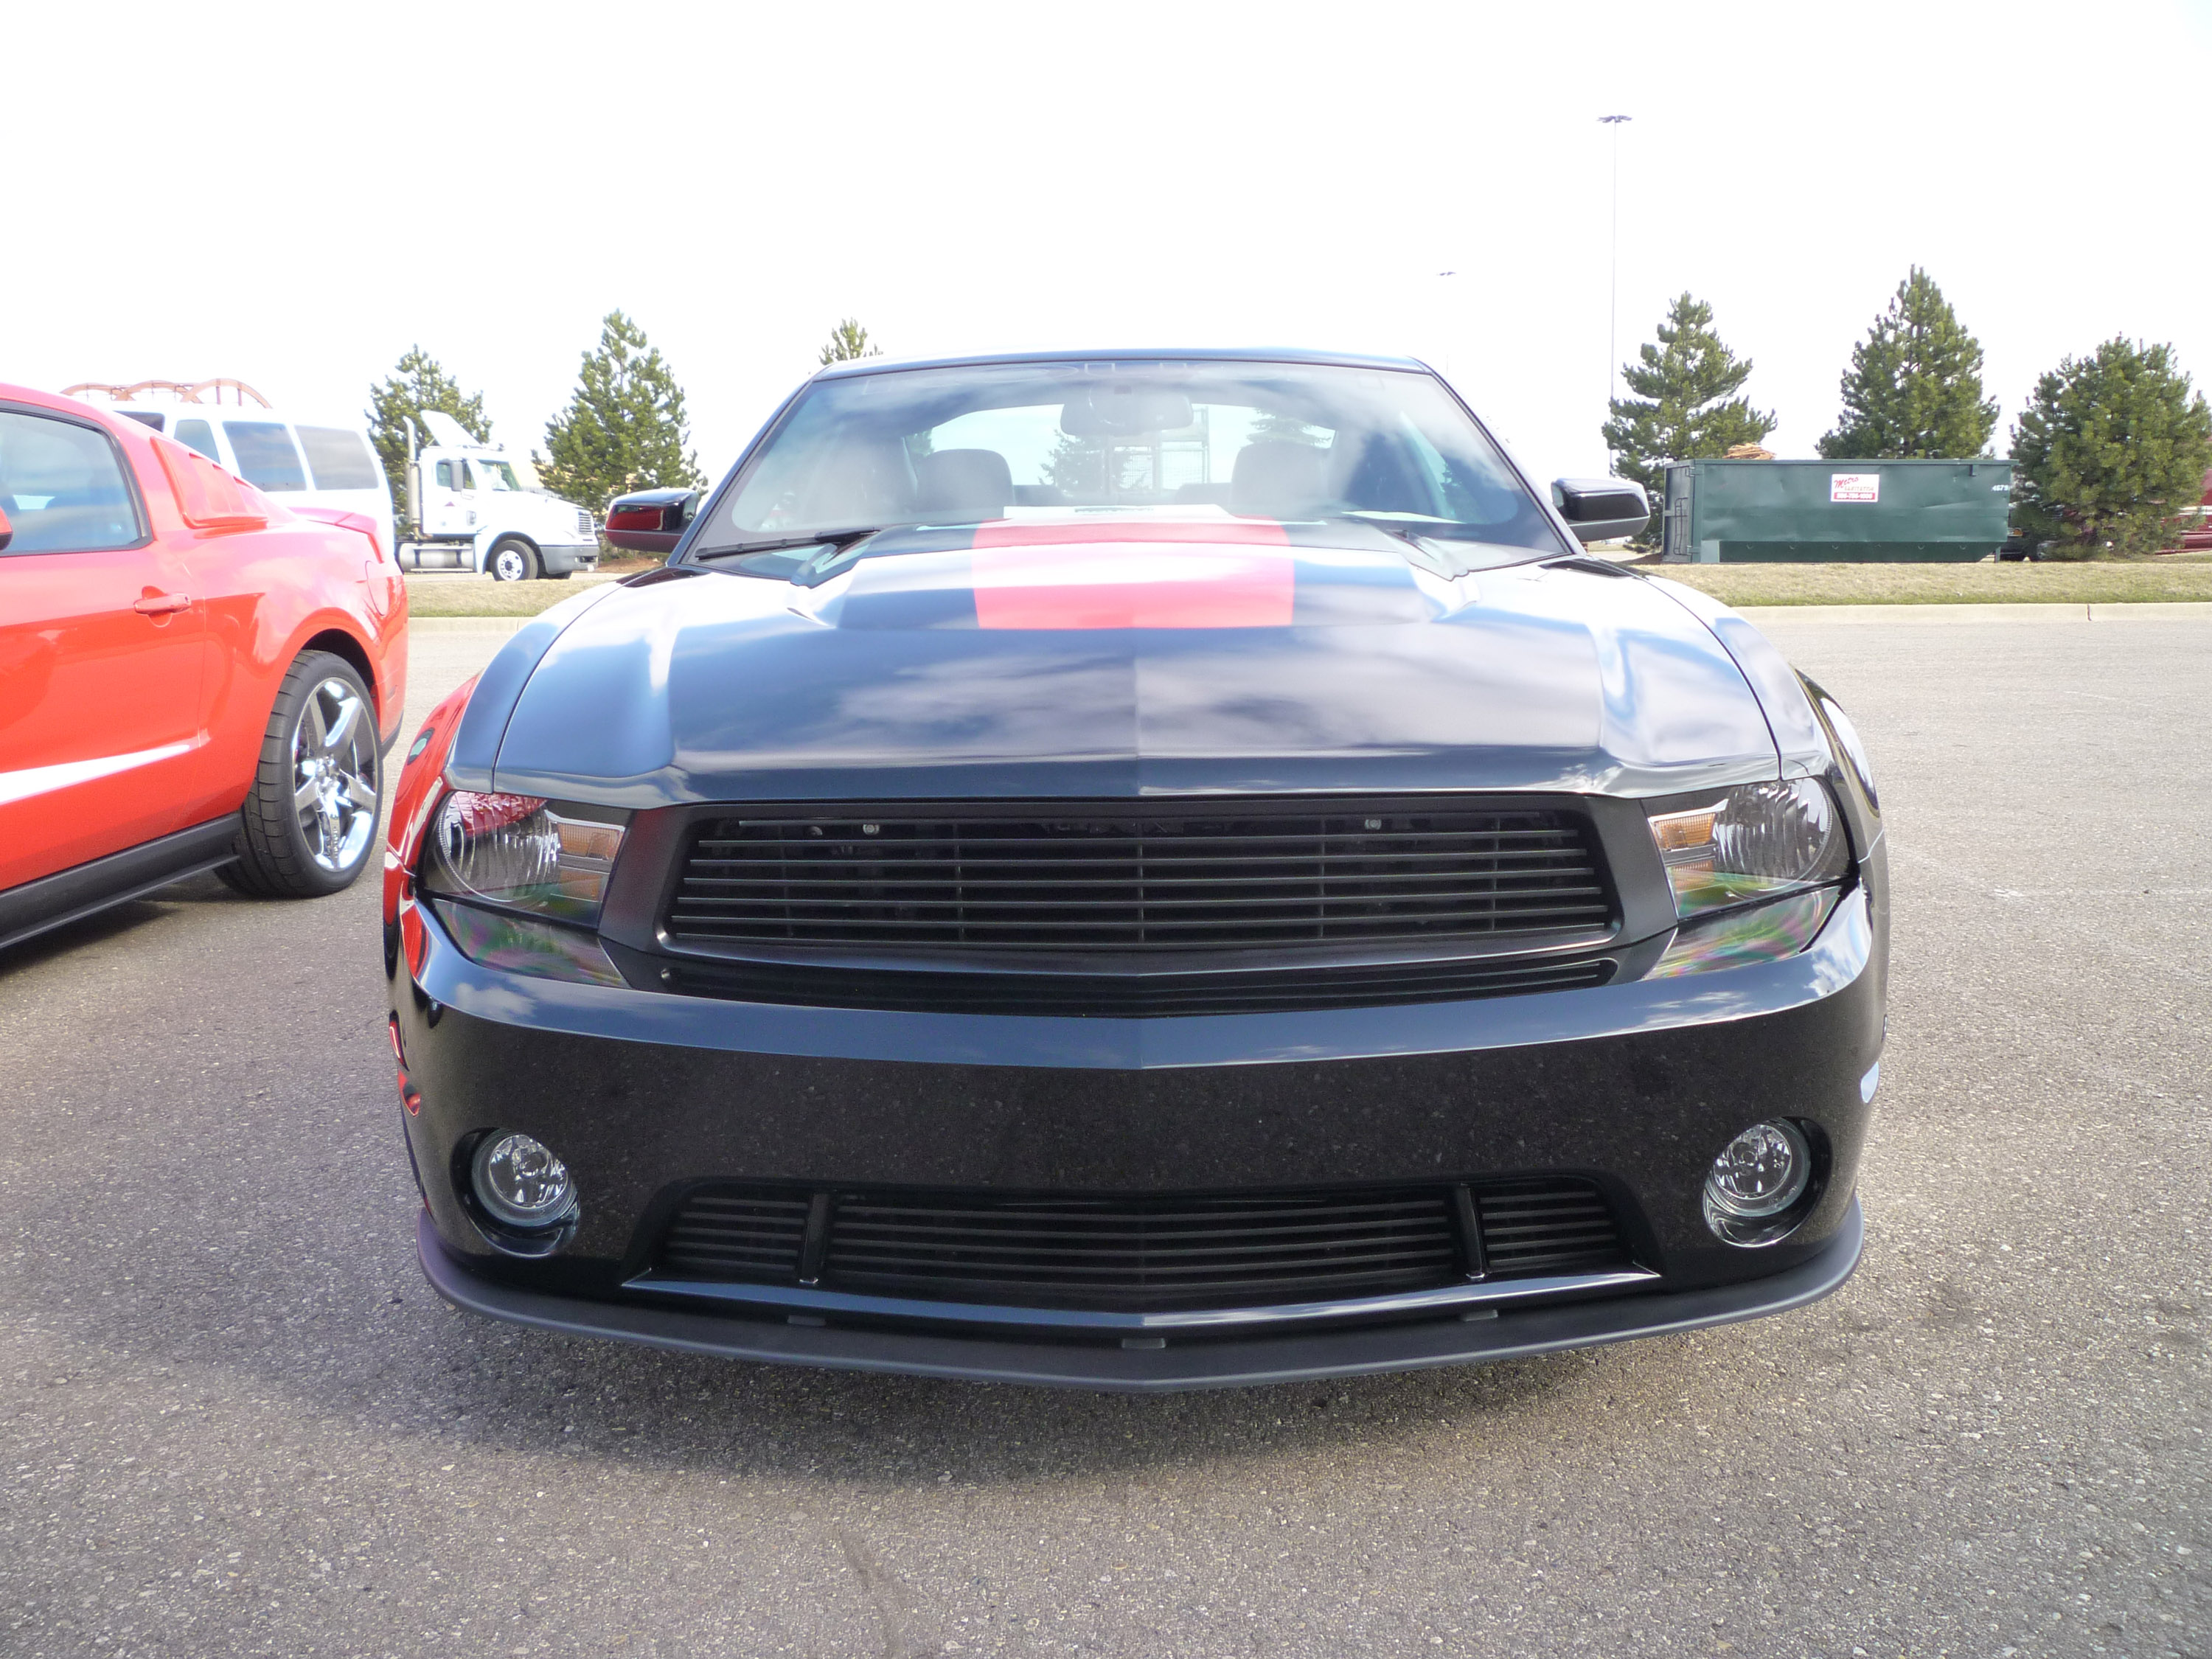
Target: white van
299	462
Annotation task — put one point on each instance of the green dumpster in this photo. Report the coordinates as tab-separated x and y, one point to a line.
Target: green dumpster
1726	511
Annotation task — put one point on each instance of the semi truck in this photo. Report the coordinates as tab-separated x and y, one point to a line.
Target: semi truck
477	507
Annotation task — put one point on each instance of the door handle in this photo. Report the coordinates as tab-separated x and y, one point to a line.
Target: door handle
161	605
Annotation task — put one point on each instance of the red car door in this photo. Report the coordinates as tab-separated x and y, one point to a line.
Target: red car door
100	653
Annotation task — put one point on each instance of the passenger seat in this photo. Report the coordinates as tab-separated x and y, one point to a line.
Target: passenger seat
963	486
1278	480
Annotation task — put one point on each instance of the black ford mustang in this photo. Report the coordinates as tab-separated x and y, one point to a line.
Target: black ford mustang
1139	871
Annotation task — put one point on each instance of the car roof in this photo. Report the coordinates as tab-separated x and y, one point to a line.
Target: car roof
1125	353
177	411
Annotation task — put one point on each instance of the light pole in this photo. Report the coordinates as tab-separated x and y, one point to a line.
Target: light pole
1613	293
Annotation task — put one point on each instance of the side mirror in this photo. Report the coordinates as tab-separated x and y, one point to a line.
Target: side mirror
7	532
1601	509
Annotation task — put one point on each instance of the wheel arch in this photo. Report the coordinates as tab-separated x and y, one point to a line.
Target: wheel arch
339	643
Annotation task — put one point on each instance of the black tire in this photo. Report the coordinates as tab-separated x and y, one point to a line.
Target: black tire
308	827
513	560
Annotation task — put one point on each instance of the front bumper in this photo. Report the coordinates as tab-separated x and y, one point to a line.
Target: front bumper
1514	1334
1633	1087
560	558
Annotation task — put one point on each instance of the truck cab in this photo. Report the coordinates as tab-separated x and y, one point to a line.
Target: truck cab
477	507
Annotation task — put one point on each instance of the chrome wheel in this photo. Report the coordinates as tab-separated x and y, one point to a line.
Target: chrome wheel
334	775
510	562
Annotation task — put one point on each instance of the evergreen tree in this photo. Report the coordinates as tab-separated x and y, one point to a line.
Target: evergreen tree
417	384
624	428
1685	406
1914	391
2109	449
846	341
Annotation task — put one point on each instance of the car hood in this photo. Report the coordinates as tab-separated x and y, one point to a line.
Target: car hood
1109	666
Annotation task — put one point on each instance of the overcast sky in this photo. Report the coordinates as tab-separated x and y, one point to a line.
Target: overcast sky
295	195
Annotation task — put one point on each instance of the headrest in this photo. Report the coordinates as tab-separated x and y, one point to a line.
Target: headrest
1278	480
860	482
964	486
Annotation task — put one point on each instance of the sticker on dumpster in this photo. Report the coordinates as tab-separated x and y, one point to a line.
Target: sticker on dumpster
1854	486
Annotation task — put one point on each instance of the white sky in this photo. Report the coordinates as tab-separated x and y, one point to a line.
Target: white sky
295	195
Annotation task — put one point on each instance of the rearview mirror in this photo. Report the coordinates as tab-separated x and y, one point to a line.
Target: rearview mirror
7	532
1601	509
1126	409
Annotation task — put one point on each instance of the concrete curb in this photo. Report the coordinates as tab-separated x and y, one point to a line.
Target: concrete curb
1963	615
469	624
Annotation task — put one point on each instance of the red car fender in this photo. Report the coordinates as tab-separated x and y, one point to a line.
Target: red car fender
421	787
344	519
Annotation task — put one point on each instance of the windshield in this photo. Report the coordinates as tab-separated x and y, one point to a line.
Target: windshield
493	475
1207	439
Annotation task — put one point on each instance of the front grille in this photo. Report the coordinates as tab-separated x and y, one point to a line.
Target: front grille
1105	996
1134	1253
583	524
1082	877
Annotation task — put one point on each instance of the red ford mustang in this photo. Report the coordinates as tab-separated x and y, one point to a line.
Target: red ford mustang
191	678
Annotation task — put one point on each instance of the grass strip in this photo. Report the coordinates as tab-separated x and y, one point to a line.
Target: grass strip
1733	584
2096	583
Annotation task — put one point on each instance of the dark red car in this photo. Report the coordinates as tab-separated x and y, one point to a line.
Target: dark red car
191	676
2195	524
651	520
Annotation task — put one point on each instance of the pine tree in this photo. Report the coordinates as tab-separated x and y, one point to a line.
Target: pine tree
1914	391
624	428
2109	450
417	384
846	341
1685	406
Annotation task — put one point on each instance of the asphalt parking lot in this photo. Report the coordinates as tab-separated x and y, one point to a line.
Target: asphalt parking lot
233	1420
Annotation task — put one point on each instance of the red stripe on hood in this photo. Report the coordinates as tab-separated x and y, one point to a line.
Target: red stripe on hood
1249	532
1102	585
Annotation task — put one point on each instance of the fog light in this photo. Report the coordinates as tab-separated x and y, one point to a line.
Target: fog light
1757	1177
520	1180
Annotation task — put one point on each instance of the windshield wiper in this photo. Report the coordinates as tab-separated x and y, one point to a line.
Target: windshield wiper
840	539
1402	524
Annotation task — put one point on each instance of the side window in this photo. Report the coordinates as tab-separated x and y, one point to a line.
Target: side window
338	459
467	475
445	479
63	488
265	455
198	434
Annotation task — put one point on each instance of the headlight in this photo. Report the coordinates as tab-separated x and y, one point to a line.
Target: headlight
1757	841
544	949
497	863
521	852
1758	932
1755	872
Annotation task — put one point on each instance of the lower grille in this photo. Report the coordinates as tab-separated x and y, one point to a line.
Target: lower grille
1105	996
1139	1254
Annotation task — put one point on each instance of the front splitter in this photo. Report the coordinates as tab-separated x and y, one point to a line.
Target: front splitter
1244	1362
